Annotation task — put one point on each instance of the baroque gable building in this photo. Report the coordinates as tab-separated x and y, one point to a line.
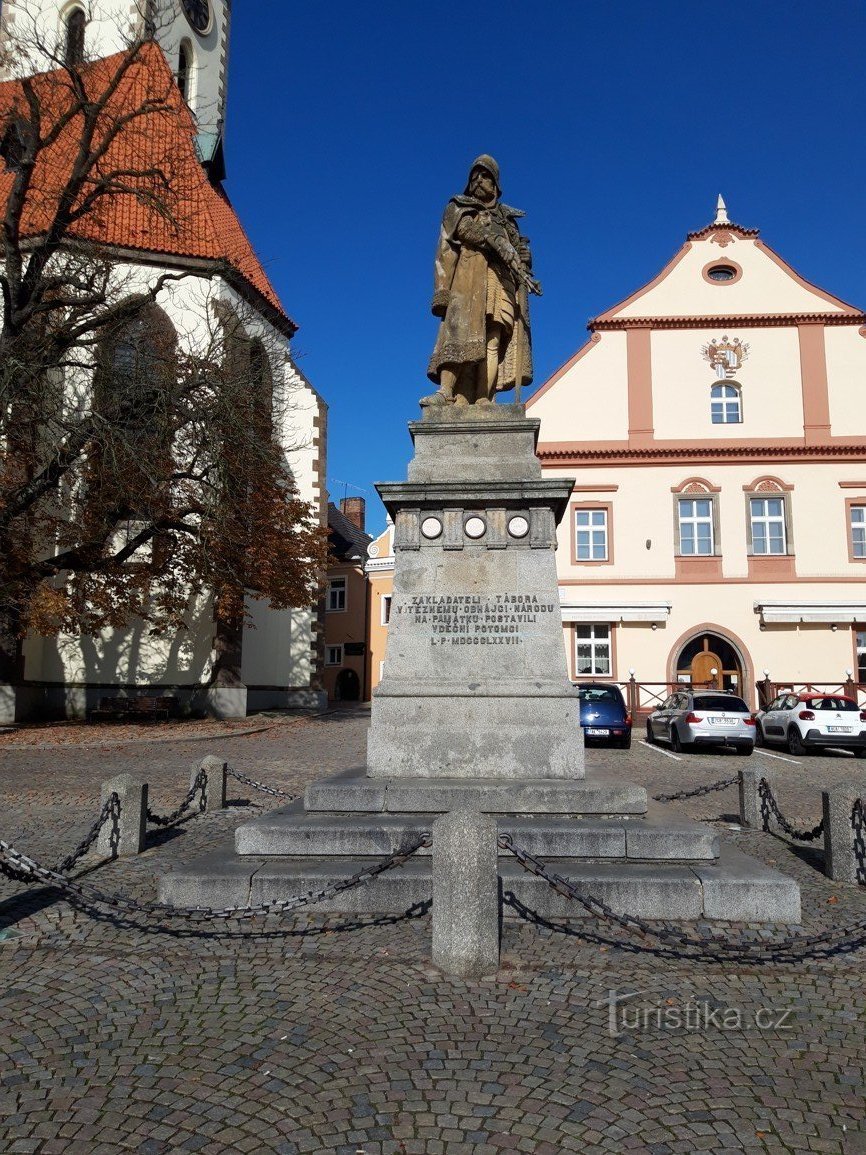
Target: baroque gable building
717	528
210	272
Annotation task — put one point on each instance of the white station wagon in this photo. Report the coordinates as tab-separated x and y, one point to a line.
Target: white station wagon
800	721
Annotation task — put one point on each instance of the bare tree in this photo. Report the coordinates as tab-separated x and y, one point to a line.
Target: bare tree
137	462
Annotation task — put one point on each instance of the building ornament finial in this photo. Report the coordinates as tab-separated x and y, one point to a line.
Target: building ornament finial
721	212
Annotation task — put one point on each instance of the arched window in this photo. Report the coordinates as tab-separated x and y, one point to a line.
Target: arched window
75	23
132	390
726	405
184	70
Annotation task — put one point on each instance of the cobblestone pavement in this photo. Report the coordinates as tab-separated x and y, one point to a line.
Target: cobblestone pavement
319	1035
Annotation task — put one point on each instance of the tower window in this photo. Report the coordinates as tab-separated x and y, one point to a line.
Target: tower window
75	23
722	273
184	70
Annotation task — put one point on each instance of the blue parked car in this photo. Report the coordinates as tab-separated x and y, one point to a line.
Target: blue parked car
603	714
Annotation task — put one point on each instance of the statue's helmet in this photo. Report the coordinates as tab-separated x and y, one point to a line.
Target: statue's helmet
489	165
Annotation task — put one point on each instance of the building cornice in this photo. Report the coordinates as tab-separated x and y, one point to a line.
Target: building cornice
584	453
741	321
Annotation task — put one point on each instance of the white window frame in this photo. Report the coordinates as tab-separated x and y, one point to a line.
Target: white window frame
695	519
726	399
385	609
598	638
594	534
333	650
767	519
857	526
336	586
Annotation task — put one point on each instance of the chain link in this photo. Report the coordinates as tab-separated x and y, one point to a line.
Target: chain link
769	806
701	790
199	783
21	868
110	811
259	785
782	950
858	825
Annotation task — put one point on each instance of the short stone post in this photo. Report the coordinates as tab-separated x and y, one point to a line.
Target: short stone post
465	894
215	787
840	862
124	835
750	799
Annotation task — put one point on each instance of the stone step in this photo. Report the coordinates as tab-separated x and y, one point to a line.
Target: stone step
734	886
291	831
353	792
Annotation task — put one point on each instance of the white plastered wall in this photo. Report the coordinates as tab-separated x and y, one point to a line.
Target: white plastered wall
846	377
590	399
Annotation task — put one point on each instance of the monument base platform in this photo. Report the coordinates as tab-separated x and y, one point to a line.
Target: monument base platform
598	831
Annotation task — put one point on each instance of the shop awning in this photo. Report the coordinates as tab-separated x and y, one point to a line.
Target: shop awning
833	613
578	610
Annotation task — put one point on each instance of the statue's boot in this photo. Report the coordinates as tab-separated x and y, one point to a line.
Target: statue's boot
437	398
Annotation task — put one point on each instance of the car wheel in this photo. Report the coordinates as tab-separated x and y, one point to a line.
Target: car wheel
650	736
861	752
676	744
760	740
745	749
795	742
626	743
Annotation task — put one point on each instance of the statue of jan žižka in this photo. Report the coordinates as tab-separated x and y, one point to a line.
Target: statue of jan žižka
483	280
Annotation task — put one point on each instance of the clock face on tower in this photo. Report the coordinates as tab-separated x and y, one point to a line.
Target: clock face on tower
198	14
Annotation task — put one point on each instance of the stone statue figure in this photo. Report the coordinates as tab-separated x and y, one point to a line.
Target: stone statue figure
483	278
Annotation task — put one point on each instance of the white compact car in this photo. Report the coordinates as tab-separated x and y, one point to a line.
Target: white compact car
802	721
703	718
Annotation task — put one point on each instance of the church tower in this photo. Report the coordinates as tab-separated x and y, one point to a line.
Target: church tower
193	34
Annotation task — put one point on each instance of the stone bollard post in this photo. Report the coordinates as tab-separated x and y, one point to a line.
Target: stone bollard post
125	836
750	799
465	894
840	862
215	787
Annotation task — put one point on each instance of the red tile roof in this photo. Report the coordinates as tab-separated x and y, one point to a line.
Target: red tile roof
161	200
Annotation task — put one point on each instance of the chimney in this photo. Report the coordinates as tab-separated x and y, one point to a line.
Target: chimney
354	508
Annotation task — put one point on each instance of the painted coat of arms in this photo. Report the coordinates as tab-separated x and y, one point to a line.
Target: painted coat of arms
725	356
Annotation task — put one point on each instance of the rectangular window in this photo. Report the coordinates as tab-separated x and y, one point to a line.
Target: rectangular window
590	535
858	530
696	526
592	650
386	609
333	655
767	515
860	644
336	594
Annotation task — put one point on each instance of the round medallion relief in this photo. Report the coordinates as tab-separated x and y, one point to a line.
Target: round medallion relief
518	527
431	527
475	527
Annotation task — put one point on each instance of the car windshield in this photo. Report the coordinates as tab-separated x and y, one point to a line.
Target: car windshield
830	704
720	702
600	694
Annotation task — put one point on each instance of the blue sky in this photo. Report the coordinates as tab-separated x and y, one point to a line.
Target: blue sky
616	125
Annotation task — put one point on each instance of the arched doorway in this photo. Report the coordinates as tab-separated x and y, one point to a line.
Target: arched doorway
347	687
708	658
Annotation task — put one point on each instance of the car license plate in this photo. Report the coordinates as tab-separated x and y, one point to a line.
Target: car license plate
722	721
595	732
839	729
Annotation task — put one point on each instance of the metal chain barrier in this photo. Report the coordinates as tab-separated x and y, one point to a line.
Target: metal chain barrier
109	811
852	937
259	785
167	819
21	868
701	790
769	806
858	825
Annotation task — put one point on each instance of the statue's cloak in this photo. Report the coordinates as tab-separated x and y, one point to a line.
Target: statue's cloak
463	293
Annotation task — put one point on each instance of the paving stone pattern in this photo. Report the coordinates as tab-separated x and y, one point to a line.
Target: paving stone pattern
322	1035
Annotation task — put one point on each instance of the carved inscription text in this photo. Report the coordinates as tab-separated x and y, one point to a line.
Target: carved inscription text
473	619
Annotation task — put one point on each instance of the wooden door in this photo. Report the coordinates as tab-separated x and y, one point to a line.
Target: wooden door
702	666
